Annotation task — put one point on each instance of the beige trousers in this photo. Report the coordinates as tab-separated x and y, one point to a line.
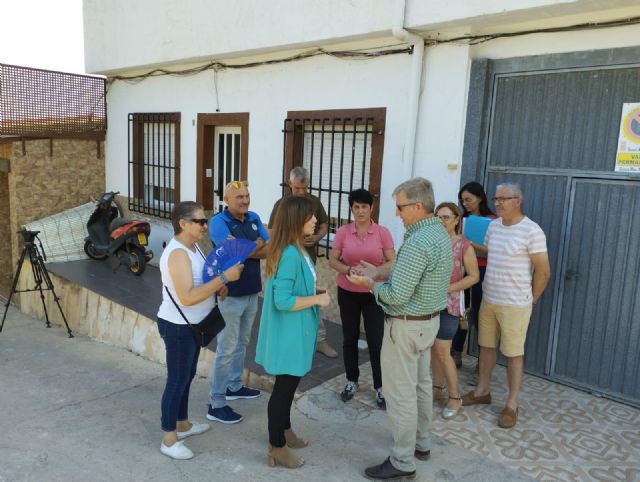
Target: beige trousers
406	379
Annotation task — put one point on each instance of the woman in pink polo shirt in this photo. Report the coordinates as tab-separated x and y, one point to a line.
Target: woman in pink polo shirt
361	240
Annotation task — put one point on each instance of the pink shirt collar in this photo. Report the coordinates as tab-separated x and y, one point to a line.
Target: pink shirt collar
371	229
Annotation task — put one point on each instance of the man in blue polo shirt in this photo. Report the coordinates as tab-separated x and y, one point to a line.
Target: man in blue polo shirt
241	305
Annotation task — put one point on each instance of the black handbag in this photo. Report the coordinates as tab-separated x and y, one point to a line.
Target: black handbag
205	331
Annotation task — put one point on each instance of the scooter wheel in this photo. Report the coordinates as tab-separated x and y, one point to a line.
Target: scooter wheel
138	261
91	251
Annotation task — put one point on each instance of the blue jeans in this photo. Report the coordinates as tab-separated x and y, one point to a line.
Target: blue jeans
448	325
182	360
239	313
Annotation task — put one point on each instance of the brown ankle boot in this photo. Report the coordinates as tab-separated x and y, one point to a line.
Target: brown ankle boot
293	441
283	456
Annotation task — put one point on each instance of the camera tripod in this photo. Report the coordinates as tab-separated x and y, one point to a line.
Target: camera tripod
40	275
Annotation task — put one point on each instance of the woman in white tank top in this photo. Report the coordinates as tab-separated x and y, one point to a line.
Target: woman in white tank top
181	266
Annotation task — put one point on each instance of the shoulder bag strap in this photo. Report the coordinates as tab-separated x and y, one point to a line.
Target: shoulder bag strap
176	305
200	251
462	271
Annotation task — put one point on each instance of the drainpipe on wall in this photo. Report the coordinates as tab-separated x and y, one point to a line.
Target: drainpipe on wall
417	42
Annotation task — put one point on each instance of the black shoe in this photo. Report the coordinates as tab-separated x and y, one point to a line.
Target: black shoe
422	454
380	401
386	471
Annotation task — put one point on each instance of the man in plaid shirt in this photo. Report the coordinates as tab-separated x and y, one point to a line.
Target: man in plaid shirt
412	296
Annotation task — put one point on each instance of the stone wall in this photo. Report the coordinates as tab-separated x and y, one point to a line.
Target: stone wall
6	267
49	177
102	319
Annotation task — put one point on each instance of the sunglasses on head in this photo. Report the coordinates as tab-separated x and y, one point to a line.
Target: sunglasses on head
239	184
200	221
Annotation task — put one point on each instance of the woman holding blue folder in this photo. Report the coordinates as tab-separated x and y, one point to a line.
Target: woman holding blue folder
474	202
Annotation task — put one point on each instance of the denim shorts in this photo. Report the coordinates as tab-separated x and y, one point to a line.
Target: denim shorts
448	326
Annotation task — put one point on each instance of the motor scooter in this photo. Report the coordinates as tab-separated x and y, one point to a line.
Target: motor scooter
112	235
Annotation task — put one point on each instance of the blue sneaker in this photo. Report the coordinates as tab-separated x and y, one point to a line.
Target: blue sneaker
242	393
223	414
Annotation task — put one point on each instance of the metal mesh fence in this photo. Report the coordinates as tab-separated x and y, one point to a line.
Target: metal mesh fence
45	103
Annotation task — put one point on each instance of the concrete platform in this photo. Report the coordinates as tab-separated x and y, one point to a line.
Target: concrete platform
143	295
80	410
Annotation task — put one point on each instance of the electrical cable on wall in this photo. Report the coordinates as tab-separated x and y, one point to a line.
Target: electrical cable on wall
216	66
215	87
368	53
478	39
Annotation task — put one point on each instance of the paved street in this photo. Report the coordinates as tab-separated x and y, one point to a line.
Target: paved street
80	410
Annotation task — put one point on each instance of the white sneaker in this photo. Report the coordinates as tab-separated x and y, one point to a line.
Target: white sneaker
196	429
178	451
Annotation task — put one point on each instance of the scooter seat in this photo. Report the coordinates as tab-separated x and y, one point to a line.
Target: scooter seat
117	222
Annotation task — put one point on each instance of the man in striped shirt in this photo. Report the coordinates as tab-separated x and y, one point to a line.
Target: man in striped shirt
517	273
412	296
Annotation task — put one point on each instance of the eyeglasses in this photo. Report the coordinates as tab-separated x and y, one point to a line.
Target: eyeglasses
503	199
238	184
400	206
200	221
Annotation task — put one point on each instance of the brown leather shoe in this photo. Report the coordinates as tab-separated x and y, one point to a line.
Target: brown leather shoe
471	399
508	418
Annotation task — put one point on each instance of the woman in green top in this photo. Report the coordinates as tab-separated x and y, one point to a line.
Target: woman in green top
288	322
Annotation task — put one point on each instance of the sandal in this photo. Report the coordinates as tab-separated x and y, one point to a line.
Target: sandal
438	392
448	413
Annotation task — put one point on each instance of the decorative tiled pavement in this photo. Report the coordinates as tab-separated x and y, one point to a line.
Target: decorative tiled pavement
562	434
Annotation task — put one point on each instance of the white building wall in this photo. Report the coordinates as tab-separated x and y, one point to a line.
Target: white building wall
268	92
122	35
173	31
440	132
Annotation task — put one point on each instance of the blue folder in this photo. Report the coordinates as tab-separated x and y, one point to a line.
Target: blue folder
474	228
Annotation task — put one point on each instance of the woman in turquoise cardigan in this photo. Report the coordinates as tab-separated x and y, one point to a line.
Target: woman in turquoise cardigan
288	322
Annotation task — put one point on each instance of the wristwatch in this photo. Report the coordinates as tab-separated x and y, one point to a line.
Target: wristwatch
223	278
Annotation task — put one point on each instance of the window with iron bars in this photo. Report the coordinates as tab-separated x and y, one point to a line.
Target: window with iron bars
154	163
342	151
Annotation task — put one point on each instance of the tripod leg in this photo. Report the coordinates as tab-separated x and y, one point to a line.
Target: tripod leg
14	285
44	275
37	276
64	318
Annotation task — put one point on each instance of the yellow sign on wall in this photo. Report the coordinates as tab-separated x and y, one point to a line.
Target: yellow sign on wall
628	155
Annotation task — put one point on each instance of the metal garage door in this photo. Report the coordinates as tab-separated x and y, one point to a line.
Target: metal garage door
555	132
599	333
